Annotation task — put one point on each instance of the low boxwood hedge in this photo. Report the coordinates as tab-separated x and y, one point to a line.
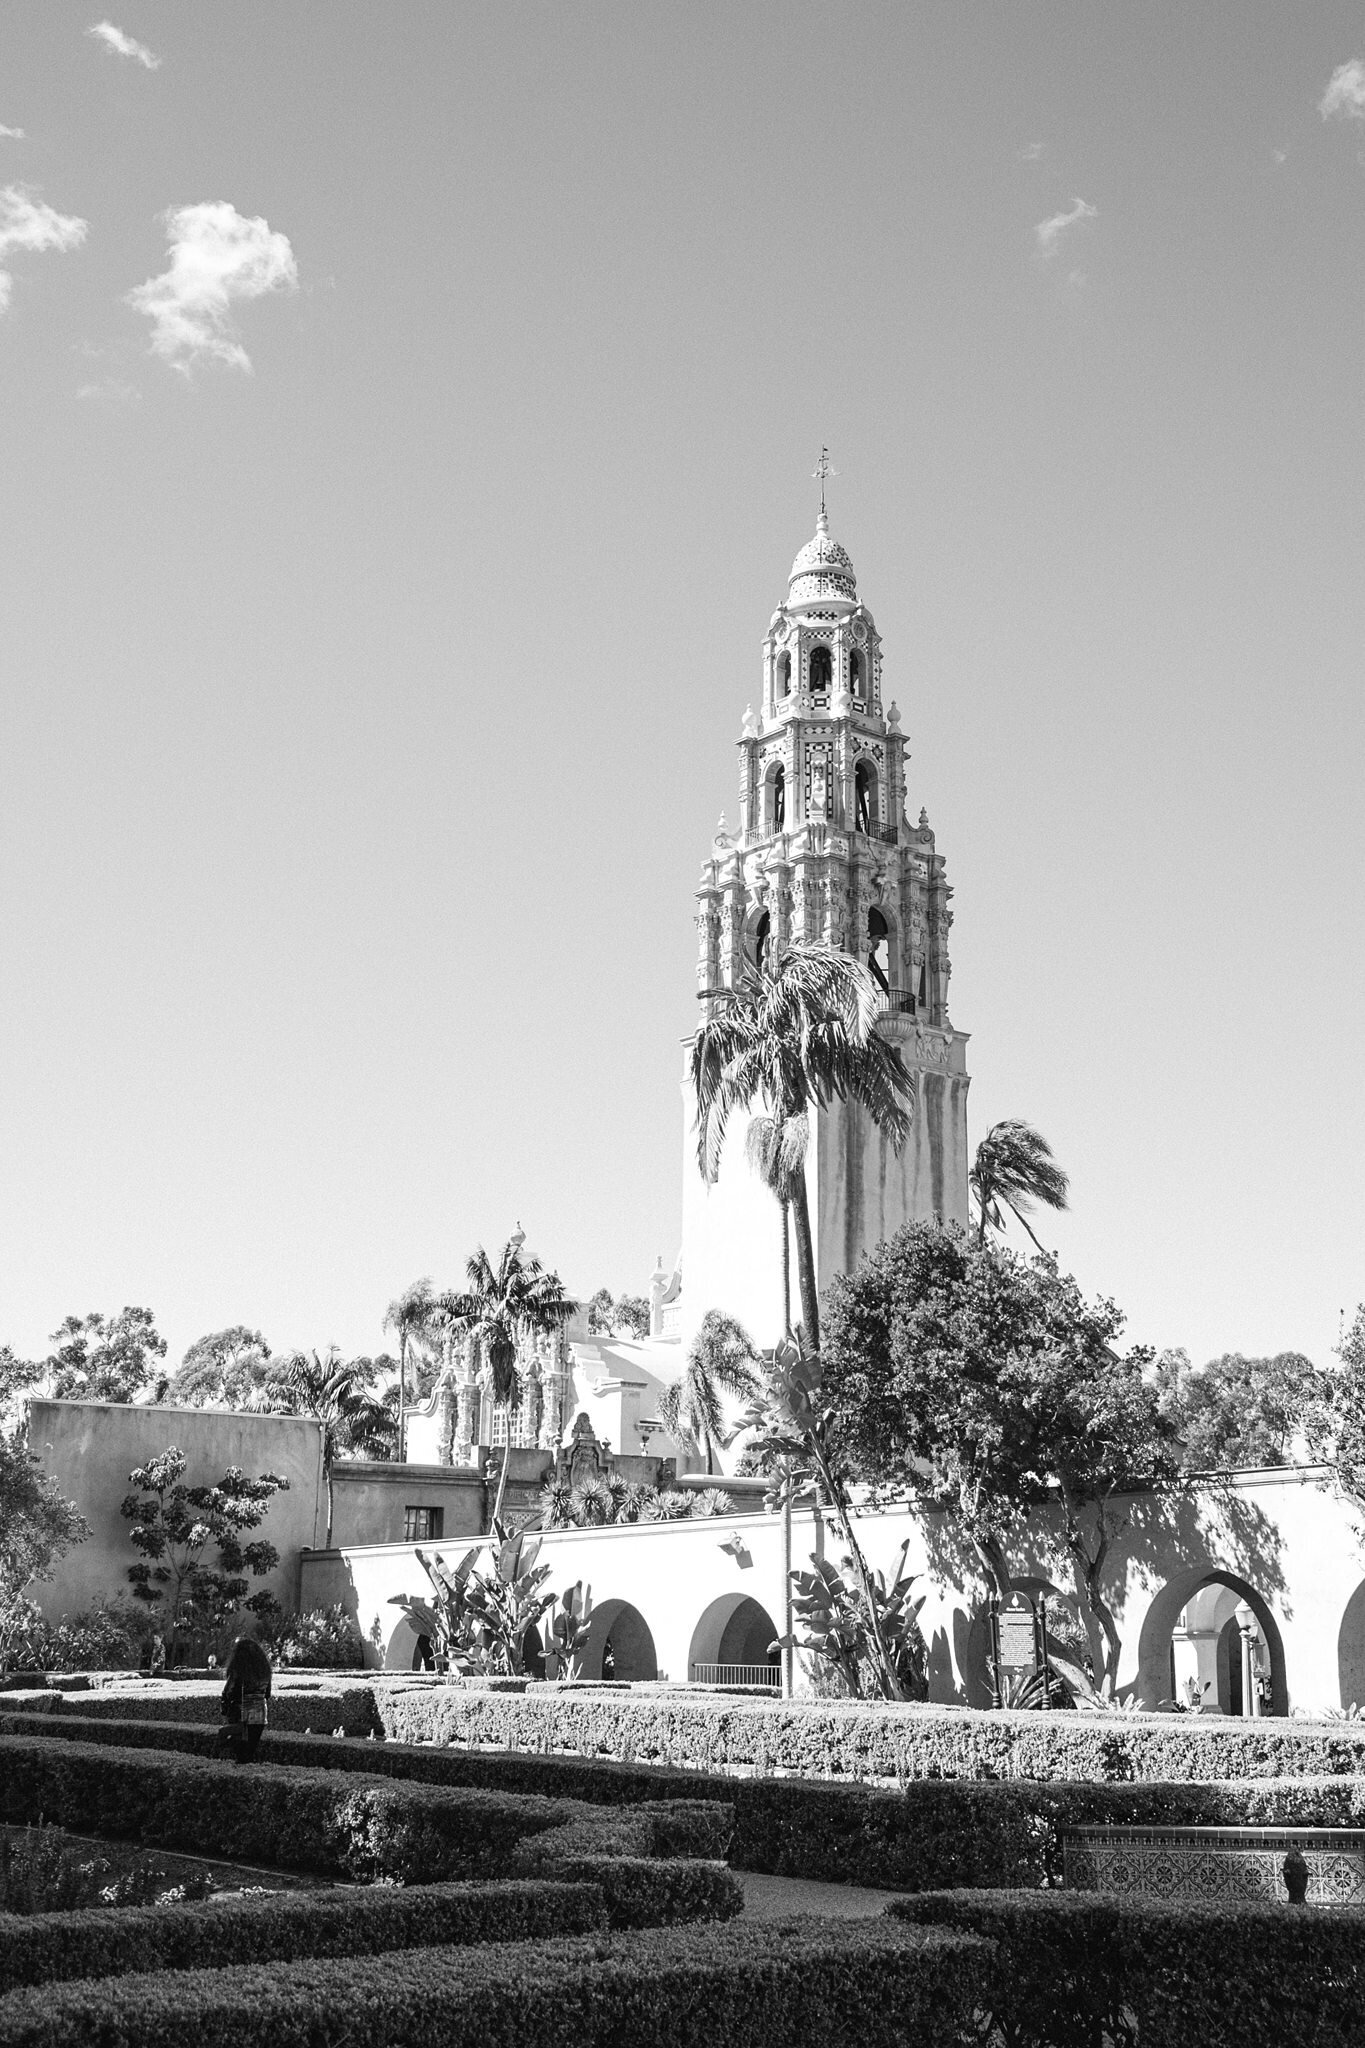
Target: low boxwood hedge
111	1941
295	1818
1072	1969
854	1740
321	1710
806	1983
931	1834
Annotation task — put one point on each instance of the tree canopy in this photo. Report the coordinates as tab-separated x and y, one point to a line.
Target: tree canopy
1238	1413
104	1358
37	1525
987	1385
225	1368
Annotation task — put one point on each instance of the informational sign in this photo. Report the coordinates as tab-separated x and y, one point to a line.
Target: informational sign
1016	1634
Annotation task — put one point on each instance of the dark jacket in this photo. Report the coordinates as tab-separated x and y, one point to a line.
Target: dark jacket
248	1671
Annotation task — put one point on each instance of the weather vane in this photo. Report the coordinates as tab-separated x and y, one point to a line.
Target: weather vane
824	468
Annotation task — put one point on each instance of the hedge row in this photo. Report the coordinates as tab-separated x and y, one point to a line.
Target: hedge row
341	1824
327	1710
114	1940
807	1983
932	1834
847	1739
1073	1969
841	1739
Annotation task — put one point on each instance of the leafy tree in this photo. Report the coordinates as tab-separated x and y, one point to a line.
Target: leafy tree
792	1035
1014	1164
988	1386
227	1368
1334	1419
626	1316
37	1524
410	1317
174	1529
104	1358
500	1305
1237	1413
720	1360
18	1376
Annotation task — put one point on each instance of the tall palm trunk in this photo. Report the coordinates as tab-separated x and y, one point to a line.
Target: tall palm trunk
402	1393
805	1262
786	1270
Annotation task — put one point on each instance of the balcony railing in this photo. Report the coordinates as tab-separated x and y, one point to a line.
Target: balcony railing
737	1674
896	1002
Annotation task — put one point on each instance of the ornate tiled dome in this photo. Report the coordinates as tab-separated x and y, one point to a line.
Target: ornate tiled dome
822	569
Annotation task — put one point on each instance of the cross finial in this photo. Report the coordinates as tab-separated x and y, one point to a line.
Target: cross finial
824	468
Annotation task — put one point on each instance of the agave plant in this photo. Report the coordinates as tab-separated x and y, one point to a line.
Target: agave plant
556	1505
710	1501
591	1504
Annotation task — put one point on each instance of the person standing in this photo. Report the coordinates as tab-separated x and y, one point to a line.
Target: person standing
247	1683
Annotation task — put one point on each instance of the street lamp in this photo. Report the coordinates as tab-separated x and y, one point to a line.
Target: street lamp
1246	1622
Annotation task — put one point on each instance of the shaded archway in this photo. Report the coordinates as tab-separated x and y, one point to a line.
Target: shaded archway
619	1645
731	1644
1184	1646
1351	1650
405	1649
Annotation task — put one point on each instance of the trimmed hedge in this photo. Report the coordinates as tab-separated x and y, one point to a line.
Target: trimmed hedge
645	1859
807	1983
1072	1969
339	1823
930	1835
325	1710
114	1940
851	1739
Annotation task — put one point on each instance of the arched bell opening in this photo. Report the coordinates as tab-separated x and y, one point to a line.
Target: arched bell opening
784	675
879	949
775	800
821	670
866	808
758	938
855	675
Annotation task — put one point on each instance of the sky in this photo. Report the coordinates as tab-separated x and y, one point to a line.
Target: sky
409	423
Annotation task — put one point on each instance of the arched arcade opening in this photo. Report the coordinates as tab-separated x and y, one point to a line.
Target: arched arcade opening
1194	1650
731	1644
620	1644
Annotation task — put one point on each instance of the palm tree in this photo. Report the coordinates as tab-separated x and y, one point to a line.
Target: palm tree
1014	1165
411	1319
502	1304
336	1392
720	1360
794	1034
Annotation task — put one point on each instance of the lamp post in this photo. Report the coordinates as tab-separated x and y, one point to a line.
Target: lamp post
1246	1622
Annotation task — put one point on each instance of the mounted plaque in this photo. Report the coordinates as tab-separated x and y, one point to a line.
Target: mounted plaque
1017	1627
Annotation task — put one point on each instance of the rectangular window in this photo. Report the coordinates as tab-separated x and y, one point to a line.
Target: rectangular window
422	1525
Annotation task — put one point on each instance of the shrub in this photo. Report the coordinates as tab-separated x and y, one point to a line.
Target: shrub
930	1834
838	1984
323	1710
348	1825
1072	1969
42	1872
861	1741
289	1925
325	1639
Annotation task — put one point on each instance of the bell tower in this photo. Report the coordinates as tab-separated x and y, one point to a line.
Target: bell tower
824	850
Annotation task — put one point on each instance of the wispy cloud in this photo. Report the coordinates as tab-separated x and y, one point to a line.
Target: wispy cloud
1345	94
123	45
14	134
1048	232
109	391
1031	152
27	224
217	256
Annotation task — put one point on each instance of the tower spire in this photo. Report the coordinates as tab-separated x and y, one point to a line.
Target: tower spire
824	468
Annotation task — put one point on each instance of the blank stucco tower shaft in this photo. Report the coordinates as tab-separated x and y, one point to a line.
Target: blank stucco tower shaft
824	850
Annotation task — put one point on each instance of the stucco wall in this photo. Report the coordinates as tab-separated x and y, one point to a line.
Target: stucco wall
90	1447
369	1500
1283	1536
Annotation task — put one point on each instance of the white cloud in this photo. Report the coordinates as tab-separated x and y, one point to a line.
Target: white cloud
1031	153
14	134
123	46
216	256
109	391
27	224
1048	231
1345	92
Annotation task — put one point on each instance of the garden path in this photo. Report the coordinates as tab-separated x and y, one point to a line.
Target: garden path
772	1898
